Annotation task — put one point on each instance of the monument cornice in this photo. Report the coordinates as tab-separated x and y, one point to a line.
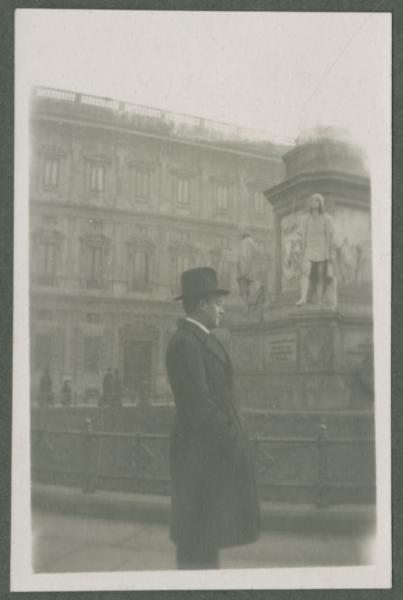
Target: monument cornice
328	178
292	317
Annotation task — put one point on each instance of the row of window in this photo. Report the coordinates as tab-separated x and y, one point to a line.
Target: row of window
45	268
137	358
43	352
140	184
94	262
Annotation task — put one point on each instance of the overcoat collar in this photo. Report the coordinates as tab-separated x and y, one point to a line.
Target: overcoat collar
210	341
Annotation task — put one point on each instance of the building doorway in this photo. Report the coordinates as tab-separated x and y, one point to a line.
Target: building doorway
137	369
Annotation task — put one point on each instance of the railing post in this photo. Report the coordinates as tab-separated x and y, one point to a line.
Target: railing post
322	497
89	478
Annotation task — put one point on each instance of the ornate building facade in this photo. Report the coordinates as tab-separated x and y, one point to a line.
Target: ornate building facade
123	198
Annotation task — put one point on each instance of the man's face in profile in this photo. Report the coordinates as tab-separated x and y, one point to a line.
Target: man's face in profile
213	310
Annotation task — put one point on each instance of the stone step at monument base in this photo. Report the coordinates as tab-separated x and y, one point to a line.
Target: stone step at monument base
293	391
158	419
294	492
339	424
321	497
284	516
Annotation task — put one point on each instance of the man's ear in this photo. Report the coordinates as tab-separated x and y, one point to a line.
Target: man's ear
202	303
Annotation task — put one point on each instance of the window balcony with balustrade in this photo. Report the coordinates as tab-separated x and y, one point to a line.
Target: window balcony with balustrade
115	288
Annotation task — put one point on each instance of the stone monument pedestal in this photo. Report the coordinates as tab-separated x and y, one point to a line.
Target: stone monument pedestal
305	359
317	356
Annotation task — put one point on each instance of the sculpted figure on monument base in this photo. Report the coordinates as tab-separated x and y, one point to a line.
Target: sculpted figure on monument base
251	287
318	276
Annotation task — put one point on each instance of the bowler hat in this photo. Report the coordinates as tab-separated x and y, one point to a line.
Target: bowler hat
200	282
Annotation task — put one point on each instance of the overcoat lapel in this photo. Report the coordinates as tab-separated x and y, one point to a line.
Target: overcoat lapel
214	345
210	342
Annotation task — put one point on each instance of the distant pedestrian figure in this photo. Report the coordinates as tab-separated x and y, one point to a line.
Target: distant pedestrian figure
107	388
117	389
66	393
45	389
144	392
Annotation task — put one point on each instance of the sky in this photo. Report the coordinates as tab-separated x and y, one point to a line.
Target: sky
277	72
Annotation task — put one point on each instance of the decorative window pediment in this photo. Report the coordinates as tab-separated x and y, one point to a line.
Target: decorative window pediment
56	150
140	163
96	239
44	315
138	331
135	241
181	241
140	232
100	158
48	235
178	247
186	171
46	255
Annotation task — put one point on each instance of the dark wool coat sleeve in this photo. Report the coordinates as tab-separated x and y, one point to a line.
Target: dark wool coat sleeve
196	408
214	498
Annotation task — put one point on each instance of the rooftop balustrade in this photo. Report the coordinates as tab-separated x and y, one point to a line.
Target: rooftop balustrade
167	122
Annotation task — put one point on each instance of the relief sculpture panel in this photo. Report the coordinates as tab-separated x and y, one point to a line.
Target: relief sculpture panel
247	355
352	242
316	348
291	248
351	246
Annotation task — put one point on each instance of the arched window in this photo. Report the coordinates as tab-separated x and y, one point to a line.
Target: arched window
259	202
140	184
51	171
140	259
47	245
94	250
183	191
97	177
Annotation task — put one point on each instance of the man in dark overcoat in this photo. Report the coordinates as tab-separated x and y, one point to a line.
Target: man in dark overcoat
214	497
107	388
46	397
116	389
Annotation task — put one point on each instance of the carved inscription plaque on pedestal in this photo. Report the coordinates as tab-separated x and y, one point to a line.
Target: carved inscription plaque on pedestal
357	346
281	351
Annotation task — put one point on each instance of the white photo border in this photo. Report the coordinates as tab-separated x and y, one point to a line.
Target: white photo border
378	575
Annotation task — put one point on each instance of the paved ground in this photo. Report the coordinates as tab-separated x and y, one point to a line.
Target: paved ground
64	543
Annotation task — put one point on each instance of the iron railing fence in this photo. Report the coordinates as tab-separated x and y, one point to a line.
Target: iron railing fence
296	469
